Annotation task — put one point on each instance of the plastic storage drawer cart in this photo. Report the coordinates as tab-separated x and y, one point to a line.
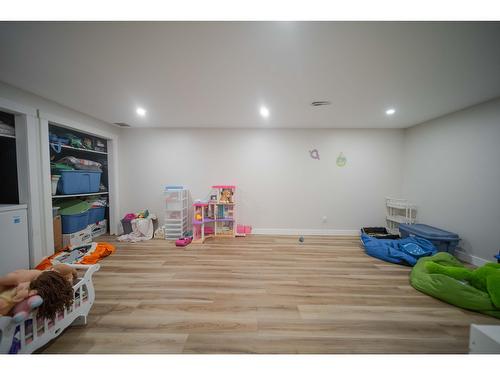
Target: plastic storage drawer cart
96	214
176	212
79	182
442	239
75	223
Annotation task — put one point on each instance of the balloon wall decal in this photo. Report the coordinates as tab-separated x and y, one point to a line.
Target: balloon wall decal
341	160
314	154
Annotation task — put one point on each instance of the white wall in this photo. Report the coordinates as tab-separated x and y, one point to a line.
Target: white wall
280	186
452	172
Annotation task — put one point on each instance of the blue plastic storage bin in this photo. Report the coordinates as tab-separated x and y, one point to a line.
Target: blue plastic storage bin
442	239
74	223
79	182
96	214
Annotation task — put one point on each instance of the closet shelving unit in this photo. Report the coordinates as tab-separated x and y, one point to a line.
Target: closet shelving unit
399	211
81	153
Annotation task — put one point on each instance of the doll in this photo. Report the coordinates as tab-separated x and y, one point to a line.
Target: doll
53	287
22	276
226	196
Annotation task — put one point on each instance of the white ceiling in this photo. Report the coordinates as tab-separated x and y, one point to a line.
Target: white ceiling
217	74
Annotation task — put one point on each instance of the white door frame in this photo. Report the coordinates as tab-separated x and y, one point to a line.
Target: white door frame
29	174
45	119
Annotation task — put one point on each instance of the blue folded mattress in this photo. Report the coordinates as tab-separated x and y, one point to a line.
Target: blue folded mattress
406	251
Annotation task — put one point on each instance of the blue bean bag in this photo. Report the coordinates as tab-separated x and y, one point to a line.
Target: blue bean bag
406	251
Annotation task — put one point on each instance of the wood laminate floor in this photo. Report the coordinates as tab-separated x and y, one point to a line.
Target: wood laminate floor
262	294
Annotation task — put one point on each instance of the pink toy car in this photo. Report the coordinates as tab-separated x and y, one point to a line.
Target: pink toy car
184	241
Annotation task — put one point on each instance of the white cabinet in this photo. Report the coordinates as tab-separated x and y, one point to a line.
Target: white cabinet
14	248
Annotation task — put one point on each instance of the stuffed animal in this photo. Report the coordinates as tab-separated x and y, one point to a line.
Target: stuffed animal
226	196
485	278
53	286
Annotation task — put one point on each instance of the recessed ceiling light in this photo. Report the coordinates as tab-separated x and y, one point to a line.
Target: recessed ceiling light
264	112
390	111
141	111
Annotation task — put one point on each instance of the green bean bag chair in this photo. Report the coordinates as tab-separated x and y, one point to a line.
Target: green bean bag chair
446	278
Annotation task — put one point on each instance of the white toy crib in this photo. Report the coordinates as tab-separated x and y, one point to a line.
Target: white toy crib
33	333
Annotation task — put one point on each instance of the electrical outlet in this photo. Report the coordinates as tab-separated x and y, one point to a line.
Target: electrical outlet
324	219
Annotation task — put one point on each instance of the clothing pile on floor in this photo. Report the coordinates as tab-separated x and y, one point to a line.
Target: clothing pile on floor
138	226
84	254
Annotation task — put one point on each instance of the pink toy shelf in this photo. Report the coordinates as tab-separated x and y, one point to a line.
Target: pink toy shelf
216	217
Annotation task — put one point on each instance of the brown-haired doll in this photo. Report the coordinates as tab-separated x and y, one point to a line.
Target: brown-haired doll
56	292
54	286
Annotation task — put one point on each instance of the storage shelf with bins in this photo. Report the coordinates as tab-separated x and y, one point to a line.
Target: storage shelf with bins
399	211
65	142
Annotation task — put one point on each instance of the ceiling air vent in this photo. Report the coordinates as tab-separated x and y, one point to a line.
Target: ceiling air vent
122	124
319	103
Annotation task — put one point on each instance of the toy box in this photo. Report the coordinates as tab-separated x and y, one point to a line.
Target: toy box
99	228
81	237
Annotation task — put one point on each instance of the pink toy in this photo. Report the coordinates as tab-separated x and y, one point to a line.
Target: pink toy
130	217
184	241
243	230
21	311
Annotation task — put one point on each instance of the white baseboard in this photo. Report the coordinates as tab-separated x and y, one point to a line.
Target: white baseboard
471	259
306	232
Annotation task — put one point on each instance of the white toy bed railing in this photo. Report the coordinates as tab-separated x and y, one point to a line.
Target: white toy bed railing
33	333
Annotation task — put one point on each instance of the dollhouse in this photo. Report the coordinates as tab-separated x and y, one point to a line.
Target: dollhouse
215	217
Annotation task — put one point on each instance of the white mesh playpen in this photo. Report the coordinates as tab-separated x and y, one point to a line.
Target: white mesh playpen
33	333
